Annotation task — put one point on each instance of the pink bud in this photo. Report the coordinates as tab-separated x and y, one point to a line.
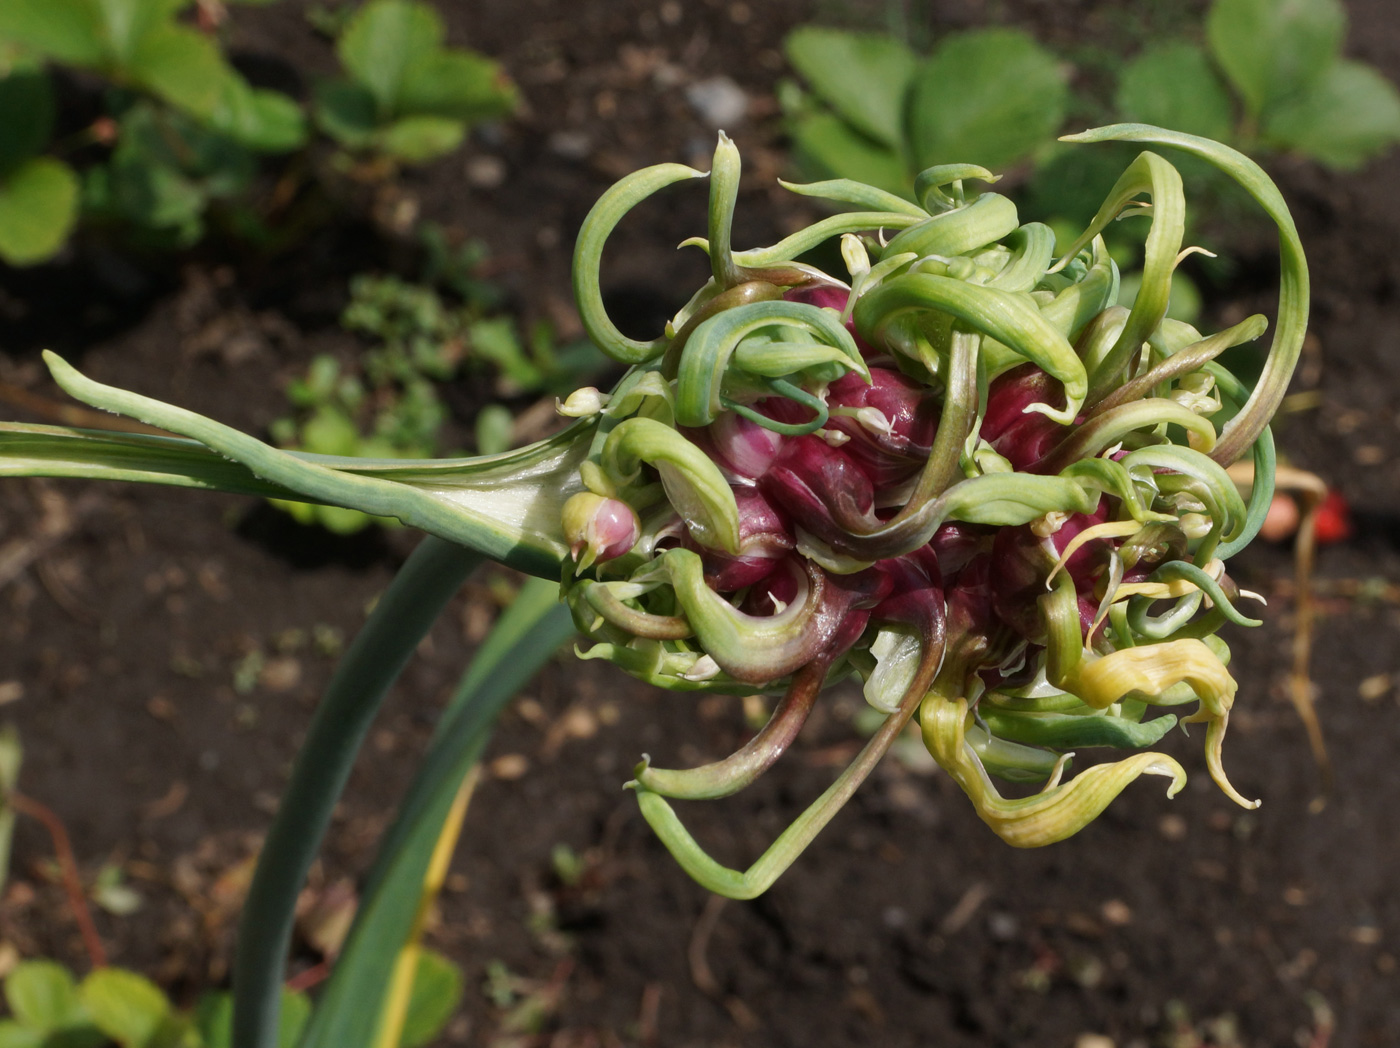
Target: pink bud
892	435
830	296
816	483
955	544
1021	437
765	538
743	447
1022	561
915	597
600	528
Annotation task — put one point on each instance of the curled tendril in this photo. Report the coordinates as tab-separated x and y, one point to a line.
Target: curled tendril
1035	462
960	471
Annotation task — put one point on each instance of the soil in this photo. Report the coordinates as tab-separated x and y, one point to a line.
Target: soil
161	651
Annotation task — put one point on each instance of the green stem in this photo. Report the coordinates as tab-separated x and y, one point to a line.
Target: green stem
400	620
759	877
527	634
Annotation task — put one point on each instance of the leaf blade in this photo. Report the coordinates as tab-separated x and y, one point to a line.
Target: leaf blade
1271	48
529	631
1348	118
1174	85
38	207
865	77
1011	95
383	41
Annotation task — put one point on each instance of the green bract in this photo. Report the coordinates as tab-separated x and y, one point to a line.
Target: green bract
958	471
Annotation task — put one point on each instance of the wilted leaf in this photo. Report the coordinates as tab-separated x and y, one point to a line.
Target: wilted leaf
1273	48
437	991
828	145
38	204
384	40
1174	86
987	97
865	77
1350	116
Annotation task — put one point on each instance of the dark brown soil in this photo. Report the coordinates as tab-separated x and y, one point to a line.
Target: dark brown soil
134	621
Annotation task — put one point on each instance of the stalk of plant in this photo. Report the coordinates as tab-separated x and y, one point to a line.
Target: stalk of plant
959	471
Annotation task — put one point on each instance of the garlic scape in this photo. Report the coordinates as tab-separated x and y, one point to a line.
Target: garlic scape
960	471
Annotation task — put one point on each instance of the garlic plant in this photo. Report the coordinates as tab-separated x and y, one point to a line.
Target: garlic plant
958	471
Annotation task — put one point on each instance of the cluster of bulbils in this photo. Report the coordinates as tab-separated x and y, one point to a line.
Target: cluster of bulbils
966	475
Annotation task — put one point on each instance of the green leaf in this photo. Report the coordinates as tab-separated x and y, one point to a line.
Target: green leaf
1349	117
127	23
459	84
987	97
830	148
182	66
38	205
213	1018
13	1035
345	110
11	757
330	431
865	77
43	995
436	995
418	139
155	196
383	41
400	620
1272	48
527	634
127	1007
507	507
495	339
26	112
262	120
69	31
1174	85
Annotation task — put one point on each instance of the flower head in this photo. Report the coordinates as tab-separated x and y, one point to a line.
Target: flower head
966	476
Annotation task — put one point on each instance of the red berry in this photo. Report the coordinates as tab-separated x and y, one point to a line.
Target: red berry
1333	520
